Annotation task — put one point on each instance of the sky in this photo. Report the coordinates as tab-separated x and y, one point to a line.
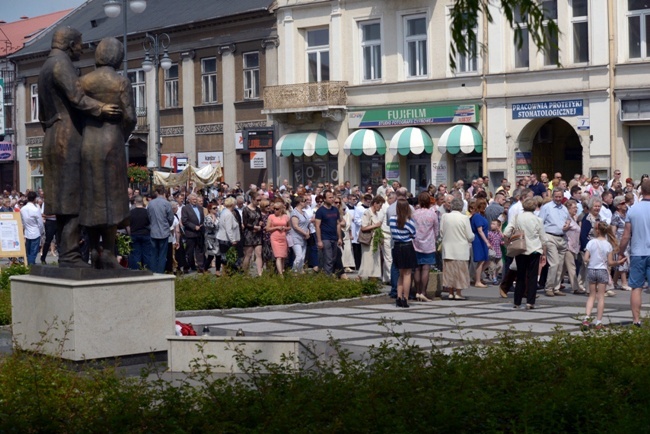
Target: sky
12	10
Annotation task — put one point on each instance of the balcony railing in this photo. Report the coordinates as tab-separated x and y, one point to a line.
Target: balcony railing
141	114
305	96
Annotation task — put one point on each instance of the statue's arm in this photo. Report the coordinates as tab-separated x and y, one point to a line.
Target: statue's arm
65	78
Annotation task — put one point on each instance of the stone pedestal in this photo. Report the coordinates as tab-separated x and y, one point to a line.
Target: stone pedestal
219	352
92	319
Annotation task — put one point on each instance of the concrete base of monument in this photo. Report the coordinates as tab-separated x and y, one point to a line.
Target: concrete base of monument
186	353
92	319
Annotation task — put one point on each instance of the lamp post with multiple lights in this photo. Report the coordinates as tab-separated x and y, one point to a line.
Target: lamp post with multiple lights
112	9
156	55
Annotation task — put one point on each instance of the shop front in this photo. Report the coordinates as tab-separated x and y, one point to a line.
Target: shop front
369	146
411	131
312	155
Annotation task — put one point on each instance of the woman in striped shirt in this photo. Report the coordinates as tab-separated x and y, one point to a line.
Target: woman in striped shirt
402	231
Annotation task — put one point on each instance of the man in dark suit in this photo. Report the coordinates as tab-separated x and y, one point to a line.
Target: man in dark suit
62	108
192	220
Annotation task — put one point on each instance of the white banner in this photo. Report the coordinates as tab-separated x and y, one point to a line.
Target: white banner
213	159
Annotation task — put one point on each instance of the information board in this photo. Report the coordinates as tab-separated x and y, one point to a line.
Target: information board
12	241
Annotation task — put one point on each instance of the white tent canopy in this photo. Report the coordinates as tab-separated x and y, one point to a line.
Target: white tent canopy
207	175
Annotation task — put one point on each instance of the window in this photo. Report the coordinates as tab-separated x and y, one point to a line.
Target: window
209	80
34	101
580	27
522	54
251	75
639	150
139	89
371	49
171	87
551	53
467	62
416	46
638	21
318	55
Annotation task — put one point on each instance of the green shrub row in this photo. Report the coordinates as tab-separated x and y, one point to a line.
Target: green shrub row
592	383
202	292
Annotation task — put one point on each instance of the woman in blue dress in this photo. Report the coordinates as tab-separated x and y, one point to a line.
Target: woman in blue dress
480	227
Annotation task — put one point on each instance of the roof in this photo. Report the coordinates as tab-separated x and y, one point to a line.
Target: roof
92	22
18	32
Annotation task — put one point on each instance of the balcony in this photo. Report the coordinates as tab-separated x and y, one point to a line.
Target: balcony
141	126
326	96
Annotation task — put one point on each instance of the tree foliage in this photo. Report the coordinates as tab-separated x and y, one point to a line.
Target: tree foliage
521	15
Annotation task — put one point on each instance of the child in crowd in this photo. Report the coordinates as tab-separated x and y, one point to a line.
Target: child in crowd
495	237
599	256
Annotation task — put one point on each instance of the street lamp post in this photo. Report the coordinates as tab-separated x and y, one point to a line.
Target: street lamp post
156	55
112	9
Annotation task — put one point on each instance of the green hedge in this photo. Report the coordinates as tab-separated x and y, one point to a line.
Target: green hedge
203	292
592	383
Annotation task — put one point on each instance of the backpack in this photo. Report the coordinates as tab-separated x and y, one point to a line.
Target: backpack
183	329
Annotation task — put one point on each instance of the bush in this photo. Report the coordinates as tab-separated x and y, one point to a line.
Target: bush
203	292
5	293
593	382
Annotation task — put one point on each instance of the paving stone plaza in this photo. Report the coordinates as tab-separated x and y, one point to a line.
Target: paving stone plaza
444	323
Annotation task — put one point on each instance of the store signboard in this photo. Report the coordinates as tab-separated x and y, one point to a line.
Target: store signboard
547	109
414	115
523	164
6	151
258	160
392	172
439	172
210	159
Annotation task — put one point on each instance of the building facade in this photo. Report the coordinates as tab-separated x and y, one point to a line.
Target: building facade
222	55
374	86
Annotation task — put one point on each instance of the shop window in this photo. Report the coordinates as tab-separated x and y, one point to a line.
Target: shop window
372	170
36	174
251	75
415	46
315	168
638	22
171	87
580	28
34	102
371	49
209	80
639	150
318	55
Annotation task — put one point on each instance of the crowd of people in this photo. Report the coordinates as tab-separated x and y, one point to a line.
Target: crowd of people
580	229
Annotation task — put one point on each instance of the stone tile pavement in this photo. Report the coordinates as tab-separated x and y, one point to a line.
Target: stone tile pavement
448	323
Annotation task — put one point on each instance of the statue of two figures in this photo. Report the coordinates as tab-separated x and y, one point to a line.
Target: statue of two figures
86	121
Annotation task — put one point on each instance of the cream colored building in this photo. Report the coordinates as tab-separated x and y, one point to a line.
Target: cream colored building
352	66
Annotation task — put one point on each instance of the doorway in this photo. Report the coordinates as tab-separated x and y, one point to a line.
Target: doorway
557	148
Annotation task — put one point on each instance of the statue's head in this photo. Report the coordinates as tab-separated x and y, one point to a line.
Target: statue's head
109	52
68	39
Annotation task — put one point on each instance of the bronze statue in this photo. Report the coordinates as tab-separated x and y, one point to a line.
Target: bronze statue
62	109
104	198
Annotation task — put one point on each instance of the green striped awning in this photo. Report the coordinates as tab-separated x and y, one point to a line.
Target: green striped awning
319	142
411	140
368	142
461	138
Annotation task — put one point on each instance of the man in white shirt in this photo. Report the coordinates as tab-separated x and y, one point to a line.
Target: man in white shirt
33	227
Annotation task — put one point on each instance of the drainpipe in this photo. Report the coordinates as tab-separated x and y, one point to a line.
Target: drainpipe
484	113
612	100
